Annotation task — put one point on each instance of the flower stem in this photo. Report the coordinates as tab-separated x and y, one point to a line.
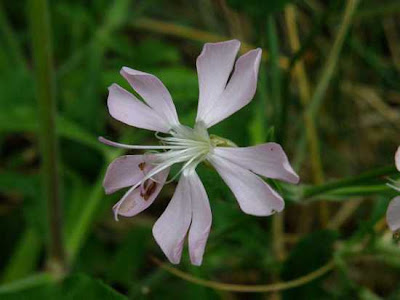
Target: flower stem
25	256
280	113
193	34
333	57
275	78
241	288
26	283
11	41
349	182
327	73
45	87
83	221
310	128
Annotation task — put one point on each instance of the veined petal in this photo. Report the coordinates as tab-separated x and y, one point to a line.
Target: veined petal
137	200
397	159
255	196
239	91
393	214
126	108
153	92
124	171
268	160
201	219
170	229
214	65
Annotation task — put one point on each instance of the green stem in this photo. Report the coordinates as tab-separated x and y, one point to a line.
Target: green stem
242	288
273	58
348	182
258	125
379	11
44	75
331	63
85	219
26	283
362	190
25	257
88	212
276	78
11	39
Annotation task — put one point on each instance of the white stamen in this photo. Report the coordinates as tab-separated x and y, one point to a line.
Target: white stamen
125	146
185	145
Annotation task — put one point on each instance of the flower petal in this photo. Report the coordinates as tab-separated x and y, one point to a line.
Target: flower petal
136	200
124	171
153	92
255	196
397	159
239	91
201	220
268	160
170	229
393	214
214	66
126	108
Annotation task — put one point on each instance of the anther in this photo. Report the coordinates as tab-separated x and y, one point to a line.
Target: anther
149	189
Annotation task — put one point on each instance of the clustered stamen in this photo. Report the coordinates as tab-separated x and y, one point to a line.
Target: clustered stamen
189	146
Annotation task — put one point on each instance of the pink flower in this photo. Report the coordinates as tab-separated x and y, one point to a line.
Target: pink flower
221	95
393	211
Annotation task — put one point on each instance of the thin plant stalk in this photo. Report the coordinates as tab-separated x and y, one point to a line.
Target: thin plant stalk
279	110
366	178
333	57
10	37
193	34
327	72
45	87
242	288
305	97
24	258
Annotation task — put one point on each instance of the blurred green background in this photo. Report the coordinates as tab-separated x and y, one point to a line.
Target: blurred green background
328	91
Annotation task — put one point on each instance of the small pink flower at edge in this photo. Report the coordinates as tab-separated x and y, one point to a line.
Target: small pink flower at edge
393	210
221	95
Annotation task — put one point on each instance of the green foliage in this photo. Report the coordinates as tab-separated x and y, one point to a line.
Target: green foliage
259	9
75	286
357	130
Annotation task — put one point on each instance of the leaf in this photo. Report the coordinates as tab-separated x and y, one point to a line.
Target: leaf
81	286
24	257
43	286
38	286
23	118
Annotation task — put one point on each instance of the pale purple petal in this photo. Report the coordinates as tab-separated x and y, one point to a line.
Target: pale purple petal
268	160
123	172
201	220
136	200
170	229
153	92
239	91
126	108
255	196
393	214
397	159
214	65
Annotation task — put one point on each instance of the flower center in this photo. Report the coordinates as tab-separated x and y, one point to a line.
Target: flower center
186	145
